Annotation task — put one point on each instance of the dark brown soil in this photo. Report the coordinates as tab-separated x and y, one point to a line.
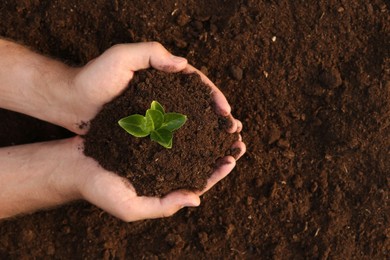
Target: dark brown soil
152	169
309	80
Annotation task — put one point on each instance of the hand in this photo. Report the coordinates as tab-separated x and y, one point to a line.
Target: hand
42	175
105	77
117	196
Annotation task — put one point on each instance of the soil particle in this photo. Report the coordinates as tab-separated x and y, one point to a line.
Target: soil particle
249	200
202	17
273	190
204	70
313	187
259	182
28	235
297	182
289	154
229	230
204	239
235	152
83	125
180	43
315	90
236	72
213	28
283	143
331	78
51	250
183	19
274	135
198	25
175	240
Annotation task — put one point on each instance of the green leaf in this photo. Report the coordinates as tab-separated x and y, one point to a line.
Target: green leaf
163	137
156	122
173	121
154	119
157	106
135	125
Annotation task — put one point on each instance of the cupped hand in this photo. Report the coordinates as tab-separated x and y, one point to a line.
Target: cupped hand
103	79
117	196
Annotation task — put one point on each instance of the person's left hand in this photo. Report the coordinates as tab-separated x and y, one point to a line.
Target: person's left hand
105	77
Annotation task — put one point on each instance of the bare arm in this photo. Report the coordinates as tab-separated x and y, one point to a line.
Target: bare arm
35	85
37	176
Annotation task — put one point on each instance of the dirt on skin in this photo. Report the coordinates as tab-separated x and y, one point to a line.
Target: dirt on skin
309	80
152	169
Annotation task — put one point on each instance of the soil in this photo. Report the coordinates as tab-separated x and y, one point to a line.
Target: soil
310	81
152	169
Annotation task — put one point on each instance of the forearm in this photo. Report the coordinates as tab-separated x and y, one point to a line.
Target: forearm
35	85
37	176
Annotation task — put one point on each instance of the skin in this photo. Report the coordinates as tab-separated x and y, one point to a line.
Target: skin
43	175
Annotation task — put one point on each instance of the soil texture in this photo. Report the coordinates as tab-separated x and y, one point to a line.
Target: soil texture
152	169
310	80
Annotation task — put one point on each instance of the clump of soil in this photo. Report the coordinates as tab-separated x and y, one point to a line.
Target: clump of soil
151	168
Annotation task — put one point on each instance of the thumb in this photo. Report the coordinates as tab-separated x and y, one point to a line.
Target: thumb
138	56
153	207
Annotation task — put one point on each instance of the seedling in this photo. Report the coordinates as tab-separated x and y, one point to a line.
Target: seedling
156	123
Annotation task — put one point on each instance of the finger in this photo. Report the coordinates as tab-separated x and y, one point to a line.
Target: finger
238	149
222	105
239	126
153	207
150	54
226	166
232	124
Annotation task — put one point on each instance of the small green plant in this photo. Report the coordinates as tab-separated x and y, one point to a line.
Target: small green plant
156	123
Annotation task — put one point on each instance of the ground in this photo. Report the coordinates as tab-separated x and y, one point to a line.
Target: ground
310	81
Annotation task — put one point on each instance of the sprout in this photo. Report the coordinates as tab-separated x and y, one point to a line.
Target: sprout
156	123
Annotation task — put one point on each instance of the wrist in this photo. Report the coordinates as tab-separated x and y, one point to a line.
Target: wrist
37	176
52	91
67	175
61	97
35	85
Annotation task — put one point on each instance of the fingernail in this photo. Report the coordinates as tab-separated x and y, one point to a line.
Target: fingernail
239	126
190	204
177	59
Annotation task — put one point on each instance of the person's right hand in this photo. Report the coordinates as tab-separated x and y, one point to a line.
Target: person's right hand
117	196
42	175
